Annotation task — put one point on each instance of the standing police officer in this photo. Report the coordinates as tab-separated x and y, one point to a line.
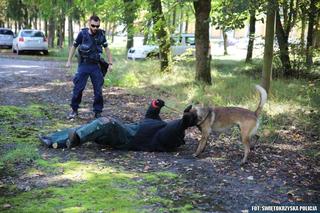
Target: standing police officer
91	41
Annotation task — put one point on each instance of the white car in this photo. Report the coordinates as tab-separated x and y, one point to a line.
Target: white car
30	40
143	52
180	44
6	37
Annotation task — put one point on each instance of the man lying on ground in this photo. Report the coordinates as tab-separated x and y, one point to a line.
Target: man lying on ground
150	134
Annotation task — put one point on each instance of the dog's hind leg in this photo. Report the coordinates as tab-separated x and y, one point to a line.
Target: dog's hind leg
245	135
246	143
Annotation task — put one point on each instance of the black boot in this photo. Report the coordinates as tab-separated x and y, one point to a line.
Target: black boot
73	139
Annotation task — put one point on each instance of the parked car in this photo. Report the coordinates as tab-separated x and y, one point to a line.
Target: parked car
30	40
180	44
6	37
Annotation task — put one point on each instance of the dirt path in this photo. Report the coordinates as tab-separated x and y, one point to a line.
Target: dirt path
276	173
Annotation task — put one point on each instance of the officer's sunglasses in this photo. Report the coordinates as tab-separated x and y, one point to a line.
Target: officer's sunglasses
95	26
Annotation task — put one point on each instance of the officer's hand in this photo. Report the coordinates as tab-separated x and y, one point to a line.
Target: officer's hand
110	67
159	103
68	64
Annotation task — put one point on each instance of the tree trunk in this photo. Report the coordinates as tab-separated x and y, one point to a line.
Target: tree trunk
108	29
63	31
174	21
70	31
58	30
51	32
39	24
303	27
60	27
187	23
282	38
203	60
146	32
225	42
25	17
163	35
181	20
252	31
268	48
312	14
113	32
35	22
15	27
130	10
316	39
46	27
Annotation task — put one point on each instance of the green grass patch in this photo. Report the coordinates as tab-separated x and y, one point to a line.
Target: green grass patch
90	188
17	154
19	128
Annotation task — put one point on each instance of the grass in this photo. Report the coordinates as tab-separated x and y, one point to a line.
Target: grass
19	128
90	188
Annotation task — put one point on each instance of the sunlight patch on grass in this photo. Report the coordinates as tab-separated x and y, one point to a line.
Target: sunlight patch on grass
77	171
74	209
93	188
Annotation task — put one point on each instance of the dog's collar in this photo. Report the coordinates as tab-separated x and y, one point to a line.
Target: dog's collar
205	118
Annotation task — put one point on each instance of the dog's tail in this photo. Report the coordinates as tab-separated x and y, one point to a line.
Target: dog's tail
263	99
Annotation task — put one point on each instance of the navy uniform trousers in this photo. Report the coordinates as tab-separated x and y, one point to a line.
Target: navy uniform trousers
86	70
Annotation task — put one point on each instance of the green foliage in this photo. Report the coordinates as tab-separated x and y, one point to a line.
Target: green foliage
298	63
229	15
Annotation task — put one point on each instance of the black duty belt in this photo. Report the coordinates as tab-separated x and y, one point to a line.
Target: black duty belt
88	61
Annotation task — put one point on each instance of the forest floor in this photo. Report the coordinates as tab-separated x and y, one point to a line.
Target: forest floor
277	173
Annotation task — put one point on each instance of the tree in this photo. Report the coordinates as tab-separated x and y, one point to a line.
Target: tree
229	15
252	31
130	9
285	20
203	60
163	36
3	8
255	6
268	48
312	14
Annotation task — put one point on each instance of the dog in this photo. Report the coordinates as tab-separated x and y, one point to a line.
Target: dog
221	118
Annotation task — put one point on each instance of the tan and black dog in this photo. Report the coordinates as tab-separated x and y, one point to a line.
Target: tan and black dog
221	118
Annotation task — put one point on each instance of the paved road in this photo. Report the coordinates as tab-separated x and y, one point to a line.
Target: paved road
24	81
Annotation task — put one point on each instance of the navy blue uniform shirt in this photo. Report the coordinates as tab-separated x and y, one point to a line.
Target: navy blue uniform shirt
85	37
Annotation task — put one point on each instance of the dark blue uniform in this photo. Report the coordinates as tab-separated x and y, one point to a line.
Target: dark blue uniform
88	67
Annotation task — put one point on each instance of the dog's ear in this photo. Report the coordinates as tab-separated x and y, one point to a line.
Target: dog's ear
188	108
